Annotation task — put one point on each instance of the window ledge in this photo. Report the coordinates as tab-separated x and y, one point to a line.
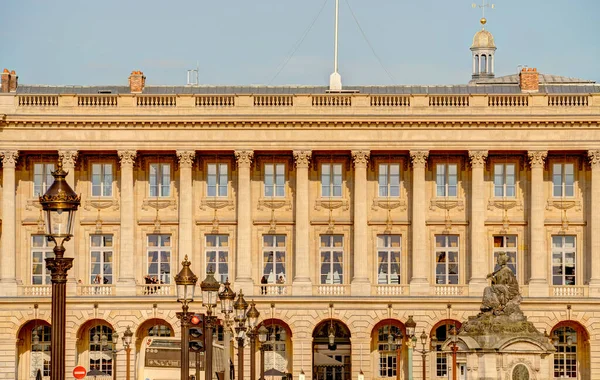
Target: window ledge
389	203
504	203
275	203
332	203
563	204
101	203
216	203
447	203
159	203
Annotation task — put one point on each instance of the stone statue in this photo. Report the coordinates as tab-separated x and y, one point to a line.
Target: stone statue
502	296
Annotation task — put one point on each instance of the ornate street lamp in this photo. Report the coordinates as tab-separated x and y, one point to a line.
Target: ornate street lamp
263	336
424	351
115	340
227	296
454	342
410	325
186	283
252	316
240	305
127	336
210	295
398	341
59	204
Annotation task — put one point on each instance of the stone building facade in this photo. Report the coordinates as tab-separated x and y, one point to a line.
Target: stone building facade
359	209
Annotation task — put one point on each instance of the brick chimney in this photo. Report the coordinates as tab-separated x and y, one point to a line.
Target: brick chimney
137	82
5	81
529	80
13	81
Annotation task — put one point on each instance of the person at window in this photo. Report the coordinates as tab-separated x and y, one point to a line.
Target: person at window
280	281
263	288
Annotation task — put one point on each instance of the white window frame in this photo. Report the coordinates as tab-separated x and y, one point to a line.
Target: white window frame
274	251
104	252
97	352
445	251
561	183
443	180
161	190
327	252
563	257
217	178
388	183
502	187
509	245
40	253
159	249
387	252
565	351
45	177
106	180
332	179
386	352
214	254
40	353
274	180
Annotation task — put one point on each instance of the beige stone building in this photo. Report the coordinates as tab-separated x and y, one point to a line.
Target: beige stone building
358	208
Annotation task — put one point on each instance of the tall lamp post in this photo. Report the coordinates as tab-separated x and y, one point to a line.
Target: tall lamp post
454	341
59	204
115	340
395	341
424	351
186	282
252	317
410	332
127	336
263	335
227	296
210	294
240	305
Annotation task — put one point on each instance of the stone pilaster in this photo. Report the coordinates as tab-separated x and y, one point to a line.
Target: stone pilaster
8	258
186	211
478	251
302	284
126	279
360	282
302	356
538	284
420	256
243	279
594	223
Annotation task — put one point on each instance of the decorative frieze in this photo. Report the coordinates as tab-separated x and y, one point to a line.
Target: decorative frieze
419	158
127	157
302	158
478	158
9	158
537	158
186	158
244	157
360	158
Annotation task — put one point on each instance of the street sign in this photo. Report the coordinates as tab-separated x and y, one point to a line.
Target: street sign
79	372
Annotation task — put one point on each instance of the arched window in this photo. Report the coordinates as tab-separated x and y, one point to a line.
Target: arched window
40	351
565	358
276	348
388	350
100	349
484	63
160	330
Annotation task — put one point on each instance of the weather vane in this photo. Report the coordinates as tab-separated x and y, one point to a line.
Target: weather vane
483	6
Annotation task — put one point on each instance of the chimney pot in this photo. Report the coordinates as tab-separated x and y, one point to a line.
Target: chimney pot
529	79
137	81
5	81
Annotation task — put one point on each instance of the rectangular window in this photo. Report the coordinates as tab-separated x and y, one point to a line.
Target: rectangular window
563	179
331	180
101	259
446	259
216	180
388	258
387	364
159	259
441	364
507	244
160	180
40	251
102	179
217	256
274	180
274	249
563	260
42	178
389	180
504	180
332	259
446	180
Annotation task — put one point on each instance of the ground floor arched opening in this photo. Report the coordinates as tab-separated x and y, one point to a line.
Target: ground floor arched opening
332	351
33	350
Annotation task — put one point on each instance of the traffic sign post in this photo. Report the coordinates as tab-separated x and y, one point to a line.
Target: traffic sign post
79	372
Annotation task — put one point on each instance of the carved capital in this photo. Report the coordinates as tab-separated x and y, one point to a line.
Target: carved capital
302	158
9	158
127	157
68	158
244	157
537	158
186	158
360	158
478	158
59	267
419	158
594	158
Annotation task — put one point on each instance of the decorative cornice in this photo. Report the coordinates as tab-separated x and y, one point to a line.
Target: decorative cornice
302	158
478	158
537	158
594	158
9	158
360	158
127	157
186	158
68	158
244	157
419	158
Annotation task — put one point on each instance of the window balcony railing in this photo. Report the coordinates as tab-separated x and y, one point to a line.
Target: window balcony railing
95	290
389	290
331	290
569	291
35	290
451	290
273	290
155	290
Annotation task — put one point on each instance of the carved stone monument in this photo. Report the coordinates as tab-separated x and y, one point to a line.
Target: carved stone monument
499	342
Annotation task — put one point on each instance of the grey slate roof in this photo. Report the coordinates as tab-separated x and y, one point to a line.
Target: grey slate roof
544	79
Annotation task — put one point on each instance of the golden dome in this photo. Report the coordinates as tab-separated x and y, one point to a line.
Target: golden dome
483	39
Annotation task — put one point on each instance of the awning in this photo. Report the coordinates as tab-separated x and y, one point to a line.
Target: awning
322	360
274	372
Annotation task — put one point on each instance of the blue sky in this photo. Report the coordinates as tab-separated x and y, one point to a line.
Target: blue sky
245	42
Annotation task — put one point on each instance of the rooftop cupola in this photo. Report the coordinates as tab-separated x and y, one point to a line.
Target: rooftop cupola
483	49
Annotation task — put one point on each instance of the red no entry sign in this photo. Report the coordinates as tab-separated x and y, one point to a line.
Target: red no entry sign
79	372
